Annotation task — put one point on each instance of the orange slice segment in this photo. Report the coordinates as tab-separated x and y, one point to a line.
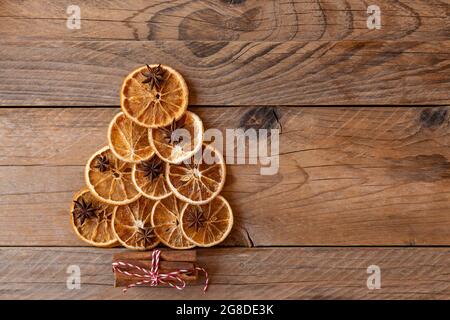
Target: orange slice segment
153	96
200	179
149	178
132	225
91	220
209	224
109	179
166	216
128	141
180	140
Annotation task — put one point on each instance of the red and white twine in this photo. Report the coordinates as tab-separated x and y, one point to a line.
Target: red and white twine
153	278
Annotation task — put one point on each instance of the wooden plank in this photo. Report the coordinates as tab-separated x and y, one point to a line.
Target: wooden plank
224	20
265	273
347	176
89	73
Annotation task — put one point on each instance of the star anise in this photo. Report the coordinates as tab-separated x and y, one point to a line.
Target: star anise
152	168
196	219
83	210
169	136
153	76
102	163
146	235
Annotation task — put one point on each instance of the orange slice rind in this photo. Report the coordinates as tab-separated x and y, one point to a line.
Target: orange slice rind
109	178
209	224
178	141
149	178
91	220
151	104
198	180
166	216
132	225
128	140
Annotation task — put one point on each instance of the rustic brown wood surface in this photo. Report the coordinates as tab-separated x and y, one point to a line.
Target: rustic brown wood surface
231	53
347	176
350	174
238	273
251	20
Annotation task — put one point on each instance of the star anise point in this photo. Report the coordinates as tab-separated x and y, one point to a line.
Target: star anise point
102	163
146	235
154	77
84	210
152	169
196	218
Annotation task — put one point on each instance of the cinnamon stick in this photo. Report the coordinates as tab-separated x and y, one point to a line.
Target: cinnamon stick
166	255
122	280
170	261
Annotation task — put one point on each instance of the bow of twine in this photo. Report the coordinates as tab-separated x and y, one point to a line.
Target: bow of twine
153	277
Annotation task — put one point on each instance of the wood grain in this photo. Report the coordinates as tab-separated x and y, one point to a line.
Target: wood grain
90	73
267	273
347	176
225	21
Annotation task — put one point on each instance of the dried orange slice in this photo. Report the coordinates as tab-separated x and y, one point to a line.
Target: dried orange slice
132	225
209	224
199	179
109	178
178	141
91	220
153	96
149	178
166	221
128	141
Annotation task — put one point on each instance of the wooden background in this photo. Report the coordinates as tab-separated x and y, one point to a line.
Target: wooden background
364	172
